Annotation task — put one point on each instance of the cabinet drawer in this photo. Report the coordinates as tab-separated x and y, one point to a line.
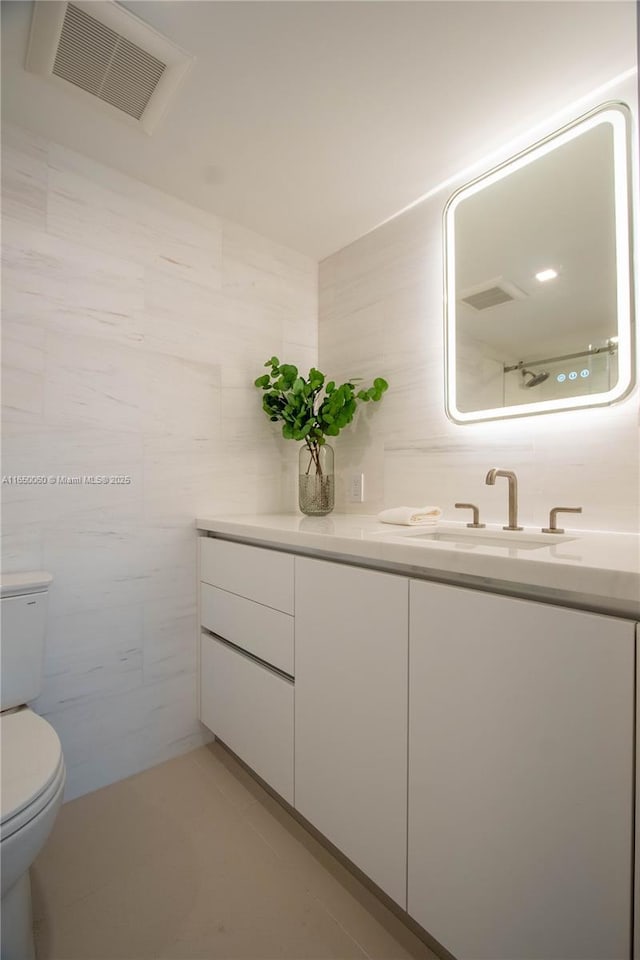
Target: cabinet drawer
251	709
265	576
263	631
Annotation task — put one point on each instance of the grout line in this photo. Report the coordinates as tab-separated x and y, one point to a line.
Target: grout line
341	926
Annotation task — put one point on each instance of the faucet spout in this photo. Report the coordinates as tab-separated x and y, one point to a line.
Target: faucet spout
490	479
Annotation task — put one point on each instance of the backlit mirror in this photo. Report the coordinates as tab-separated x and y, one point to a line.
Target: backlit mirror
538	296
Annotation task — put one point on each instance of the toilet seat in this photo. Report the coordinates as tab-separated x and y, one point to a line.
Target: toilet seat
32	768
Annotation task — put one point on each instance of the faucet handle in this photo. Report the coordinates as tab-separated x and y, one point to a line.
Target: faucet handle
476	514
553	528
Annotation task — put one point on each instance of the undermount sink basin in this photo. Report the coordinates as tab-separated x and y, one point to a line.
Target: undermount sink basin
468	539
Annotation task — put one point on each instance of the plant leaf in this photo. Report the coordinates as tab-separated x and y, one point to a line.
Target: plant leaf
306	413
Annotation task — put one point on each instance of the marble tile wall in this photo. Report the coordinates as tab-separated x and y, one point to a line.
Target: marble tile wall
133	328
381	313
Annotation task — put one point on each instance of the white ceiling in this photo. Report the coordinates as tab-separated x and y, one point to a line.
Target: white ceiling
311	122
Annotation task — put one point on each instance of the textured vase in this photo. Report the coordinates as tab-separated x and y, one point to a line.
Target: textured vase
316	480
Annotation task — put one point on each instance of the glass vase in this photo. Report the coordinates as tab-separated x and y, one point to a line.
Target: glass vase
316	480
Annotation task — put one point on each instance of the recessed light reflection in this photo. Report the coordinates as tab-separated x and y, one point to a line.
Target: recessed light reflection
545	275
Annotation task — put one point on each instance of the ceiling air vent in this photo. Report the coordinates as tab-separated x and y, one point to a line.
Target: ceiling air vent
103	63
491	294
103	50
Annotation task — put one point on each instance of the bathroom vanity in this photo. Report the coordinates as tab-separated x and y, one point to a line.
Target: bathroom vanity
454	710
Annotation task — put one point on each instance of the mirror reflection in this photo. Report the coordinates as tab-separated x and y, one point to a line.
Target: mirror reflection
538	304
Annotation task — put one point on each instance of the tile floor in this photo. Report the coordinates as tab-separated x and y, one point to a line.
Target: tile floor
193	860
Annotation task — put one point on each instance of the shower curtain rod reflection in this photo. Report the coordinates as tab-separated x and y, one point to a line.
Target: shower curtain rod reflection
611	348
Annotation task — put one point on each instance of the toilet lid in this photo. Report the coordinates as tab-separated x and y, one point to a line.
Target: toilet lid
31	758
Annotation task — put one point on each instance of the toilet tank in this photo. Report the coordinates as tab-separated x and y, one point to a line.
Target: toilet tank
23	609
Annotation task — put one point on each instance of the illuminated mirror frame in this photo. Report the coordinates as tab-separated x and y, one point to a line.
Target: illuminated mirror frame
616	114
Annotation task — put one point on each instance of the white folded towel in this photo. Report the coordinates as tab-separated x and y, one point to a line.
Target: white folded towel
411	516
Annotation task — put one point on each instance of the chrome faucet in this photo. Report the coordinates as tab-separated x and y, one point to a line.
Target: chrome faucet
513	494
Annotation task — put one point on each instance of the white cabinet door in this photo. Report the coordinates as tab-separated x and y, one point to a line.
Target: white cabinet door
351	643
520	777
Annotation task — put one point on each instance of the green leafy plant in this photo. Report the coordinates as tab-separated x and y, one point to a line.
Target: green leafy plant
311	409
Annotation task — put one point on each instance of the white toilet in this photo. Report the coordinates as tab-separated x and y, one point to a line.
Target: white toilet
33	771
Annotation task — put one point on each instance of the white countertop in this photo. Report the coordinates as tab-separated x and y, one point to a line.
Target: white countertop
592	570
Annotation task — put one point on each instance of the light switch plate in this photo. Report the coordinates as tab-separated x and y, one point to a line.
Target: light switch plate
356	488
